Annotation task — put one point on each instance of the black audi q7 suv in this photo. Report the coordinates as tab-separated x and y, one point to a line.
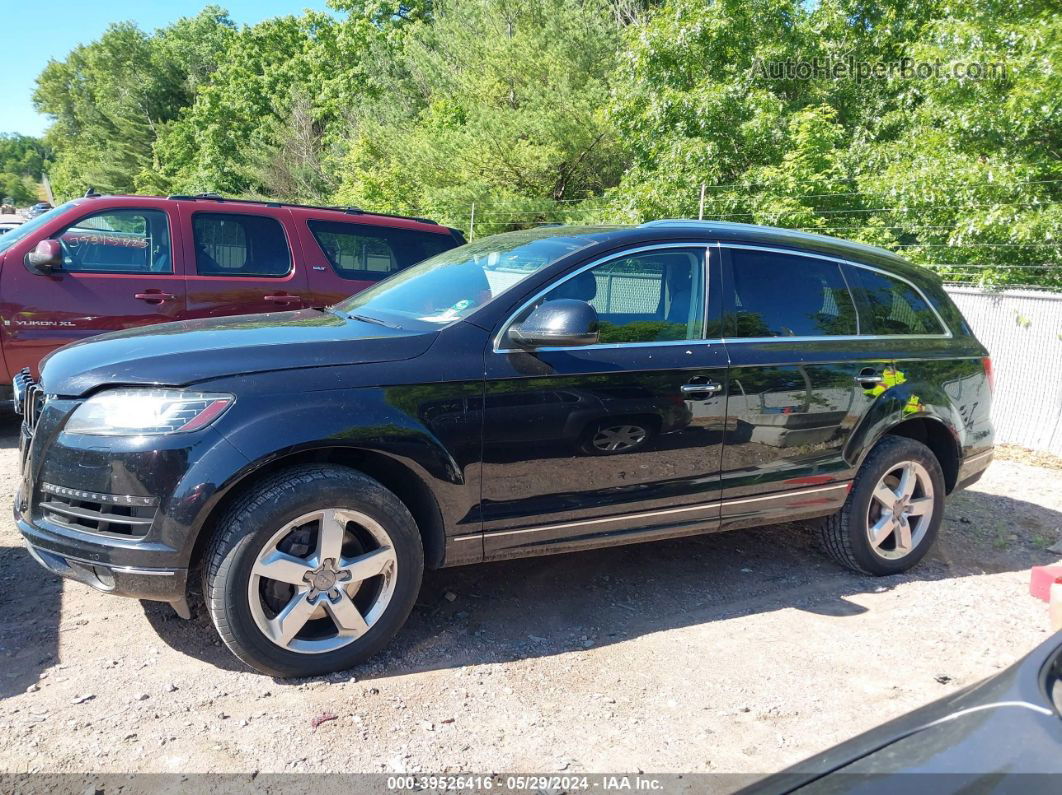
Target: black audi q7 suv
533	392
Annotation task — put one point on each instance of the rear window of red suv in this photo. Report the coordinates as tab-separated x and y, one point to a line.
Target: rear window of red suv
370	253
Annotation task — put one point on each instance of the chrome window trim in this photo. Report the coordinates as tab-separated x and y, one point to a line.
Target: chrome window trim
842	261
496	343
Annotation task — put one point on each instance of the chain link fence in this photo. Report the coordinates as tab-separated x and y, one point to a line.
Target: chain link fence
1022	329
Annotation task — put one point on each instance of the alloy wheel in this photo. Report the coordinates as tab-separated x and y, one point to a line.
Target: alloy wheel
323	580
901	509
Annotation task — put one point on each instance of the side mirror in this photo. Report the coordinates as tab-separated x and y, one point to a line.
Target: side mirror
46	257
563	323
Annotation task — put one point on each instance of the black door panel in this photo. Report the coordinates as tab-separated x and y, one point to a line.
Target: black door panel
555	466
622	438
790	410
801	378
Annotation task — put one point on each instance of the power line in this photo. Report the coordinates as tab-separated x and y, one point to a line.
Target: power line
749	185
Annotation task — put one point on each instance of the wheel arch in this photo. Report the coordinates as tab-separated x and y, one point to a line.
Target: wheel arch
932	431
397	476
942	441
917	409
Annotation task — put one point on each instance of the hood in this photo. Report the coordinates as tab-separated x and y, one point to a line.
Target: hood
182	353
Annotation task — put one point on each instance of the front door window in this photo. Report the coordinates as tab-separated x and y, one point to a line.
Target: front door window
118	241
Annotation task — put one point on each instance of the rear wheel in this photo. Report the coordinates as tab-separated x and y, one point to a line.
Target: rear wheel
313	572
893	512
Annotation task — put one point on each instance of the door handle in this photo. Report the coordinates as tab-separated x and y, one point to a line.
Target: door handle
700	389
154	296
282	299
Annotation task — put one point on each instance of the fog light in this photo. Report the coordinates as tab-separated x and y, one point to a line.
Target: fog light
105	577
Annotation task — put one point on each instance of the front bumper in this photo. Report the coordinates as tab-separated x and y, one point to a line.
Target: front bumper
164	585
180	478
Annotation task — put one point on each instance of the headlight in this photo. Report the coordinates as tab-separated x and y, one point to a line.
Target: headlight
142	412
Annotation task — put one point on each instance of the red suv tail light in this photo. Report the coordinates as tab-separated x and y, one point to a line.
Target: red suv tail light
987	362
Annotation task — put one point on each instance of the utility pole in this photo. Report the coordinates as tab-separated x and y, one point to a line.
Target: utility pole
48	189
472	224
700	211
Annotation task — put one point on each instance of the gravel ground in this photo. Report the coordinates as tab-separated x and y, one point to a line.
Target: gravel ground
740	652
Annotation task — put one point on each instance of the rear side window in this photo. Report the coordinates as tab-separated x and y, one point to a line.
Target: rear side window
787	295
118	241
366	253
889	306
239	245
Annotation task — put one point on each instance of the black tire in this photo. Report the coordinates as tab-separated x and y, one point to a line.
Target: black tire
844	534
255	517
586	440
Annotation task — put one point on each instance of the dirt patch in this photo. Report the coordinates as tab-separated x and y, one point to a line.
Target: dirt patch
1011	452
738	652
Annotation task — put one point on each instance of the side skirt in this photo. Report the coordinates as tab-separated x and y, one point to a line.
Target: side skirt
609	531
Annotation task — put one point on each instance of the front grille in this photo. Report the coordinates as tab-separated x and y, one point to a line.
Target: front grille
27	397
123	515
34	404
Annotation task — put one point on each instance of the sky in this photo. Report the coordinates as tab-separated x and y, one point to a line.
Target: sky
33	32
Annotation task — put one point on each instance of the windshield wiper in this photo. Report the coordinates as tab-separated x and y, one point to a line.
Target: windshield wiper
376	320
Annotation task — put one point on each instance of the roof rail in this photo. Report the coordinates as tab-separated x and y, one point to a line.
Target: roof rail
350	210
734	226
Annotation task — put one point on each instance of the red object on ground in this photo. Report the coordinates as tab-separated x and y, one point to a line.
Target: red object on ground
1042	579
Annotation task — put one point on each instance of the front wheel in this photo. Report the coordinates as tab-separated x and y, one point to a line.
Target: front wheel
313	571
893	512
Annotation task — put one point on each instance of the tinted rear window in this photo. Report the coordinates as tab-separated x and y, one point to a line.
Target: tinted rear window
889	306
787	295
239	245
372	253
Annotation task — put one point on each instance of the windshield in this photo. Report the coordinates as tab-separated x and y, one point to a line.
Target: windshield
453	284
8	239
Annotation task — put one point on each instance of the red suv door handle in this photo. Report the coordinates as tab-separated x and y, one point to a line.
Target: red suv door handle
282	299
154	296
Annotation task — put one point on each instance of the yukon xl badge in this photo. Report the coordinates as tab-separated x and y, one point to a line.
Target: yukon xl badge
48	323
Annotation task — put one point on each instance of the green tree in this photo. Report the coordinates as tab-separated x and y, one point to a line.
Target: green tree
111	99
22	161
268	121
494	102
945	169
971	169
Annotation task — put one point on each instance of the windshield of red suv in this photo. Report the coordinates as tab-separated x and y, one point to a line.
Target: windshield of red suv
445	288
9	239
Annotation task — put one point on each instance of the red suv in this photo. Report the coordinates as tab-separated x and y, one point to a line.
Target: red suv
104	263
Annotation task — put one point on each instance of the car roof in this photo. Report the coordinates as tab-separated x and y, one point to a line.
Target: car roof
216	203
727	230
723	231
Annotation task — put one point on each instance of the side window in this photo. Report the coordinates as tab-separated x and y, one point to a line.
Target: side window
239	245
787	295
889	306
366	253
652	296
118	241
